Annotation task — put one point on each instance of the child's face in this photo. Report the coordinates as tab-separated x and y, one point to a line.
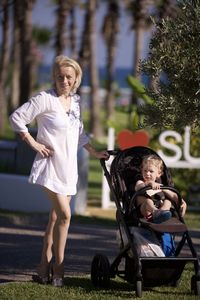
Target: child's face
150	172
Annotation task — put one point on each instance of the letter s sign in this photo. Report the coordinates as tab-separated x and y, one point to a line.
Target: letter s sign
176	149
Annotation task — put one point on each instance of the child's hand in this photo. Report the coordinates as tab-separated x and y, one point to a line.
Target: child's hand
155	185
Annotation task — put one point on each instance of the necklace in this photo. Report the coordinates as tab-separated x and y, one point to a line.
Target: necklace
66	103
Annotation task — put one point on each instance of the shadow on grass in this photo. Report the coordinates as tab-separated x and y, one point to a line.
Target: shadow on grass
122	288
85	282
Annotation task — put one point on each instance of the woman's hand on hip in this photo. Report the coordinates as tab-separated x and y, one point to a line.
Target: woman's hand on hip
45	151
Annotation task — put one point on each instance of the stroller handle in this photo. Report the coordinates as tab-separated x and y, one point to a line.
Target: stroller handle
103	160
111	153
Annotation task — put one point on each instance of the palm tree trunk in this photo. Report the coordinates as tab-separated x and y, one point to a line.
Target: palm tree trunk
95	125
14	101
73	33
110	81
62	13
4	63
110	30
84	52
25	21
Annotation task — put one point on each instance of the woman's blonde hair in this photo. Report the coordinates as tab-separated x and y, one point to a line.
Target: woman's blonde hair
64	61
155	160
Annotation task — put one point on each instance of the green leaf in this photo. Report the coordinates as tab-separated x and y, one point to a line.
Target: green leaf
139	89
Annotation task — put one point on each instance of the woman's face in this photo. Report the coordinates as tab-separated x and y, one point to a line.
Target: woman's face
65	78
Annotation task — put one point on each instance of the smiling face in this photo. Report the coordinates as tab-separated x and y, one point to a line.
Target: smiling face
150	172
65	79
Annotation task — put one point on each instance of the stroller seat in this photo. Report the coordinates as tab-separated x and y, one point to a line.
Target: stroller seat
172	225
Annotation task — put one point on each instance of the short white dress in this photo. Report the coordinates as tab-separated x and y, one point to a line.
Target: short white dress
63	132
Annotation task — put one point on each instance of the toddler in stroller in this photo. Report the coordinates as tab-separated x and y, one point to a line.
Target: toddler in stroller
139	270
155	204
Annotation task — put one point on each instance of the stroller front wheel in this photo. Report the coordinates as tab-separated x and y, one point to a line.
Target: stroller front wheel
100	271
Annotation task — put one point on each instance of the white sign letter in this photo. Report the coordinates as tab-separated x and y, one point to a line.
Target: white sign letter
178	153
187	155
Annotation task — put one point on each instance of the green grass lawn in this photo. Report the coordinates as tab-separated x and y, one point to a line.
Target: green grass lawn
80	287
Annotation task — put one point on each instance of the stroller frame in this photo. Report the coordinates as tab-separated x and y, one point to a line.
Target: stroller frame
142	271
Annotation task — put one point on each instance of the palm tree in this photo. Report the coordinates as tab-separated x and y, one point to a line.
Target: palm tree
62	13
110	29
95	126
84	51
25	24
15	59
72	33
4	61
138	9
87	57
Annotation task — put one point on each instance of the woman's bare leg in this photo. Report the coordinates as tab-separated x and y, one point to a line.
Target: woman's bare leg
47	251
61	206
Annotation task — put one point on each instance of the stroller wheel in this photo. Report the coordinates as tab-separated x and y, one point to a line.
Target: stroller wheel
138	288
100	271
195	285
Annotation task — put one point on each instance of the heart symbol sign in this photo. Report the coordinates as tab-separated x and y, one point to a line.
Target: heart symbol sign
127	139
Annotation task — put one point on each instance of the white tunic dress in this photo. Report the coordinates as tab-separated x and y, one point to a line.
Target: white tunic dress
62	132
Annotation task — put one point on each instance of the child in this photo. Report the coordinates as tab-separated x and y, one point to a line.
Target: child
152	209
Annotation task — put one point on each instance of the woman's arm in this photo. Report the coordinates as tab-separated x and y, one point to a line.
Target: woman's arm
98	154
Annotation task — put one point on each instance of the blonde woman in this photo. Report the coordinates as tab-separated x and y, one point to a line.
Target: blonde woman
60	134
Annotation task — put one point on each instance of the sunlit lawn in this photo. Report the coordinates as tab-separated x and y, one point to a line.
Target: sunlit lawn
80	287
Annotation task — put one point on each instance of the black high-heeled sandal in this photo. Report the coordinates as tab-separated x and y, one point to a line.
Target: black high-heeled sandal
41	279
56	280
45	279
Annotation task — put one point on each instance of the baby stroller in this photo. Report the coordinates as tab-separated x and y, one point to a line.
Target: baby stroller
137	269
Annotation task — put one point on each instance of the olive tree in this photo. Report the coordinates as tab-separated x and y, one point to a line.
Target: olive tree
174	61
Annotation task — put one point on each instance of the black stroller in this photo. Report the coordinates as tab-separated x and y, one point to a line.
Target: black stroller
142	271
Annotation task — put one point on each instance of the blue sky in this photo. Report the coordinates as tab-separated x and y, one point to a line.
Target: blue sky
44	15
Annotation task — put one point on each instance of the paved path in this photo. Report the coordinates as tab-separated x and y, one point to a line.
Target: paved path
20	247
21	241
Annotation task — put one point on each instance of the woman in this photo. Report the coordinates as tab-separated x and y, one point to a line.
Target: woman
60	134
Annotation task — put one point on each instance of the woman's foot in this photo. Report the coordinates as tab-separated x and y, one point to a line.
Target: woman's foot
43	274
41	279
58	282
160	216
58	275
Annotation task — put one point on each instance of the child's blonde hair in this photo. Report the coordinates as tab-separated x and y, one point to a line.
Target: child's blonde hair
155	160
